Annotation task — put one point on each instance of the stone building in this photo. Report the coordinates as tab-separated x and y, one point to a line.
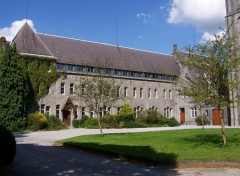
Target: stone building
147	78
233	23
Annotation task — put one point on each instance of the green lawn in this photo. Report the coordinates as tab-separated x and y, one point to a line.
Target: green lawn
166	147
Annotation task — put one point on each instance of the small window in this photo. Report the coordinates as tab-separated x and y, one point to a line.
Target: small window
134	92
164	94
71	89
83	111
62	88
47	110
57	110
83	89
42	109
155	93
118	91
75	114
166	112
170	94
141	92
194	112
149	93
125	92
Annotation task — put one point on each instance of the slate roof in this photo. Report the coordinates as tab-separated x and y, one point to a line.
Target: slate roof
78	52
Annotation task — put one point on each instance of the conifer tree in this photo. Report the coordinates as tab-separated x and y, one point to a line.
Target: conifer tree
12	91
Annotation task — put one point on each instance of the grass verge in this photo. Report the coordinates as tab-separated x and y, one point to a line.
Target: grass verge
165	147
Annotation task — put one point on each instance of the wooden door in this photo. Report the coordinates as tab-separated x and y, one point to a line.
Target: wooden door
216	120
182	116
67	117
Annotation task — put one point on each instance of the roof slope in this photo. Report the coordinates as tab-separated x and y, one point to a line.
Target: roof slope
28	42
78	52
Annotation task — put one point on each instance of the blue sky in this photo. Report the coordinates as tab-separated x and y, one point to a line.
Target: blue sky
153	25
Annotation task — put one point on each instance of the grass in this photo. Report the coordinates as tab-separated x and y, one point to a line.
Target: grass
165	147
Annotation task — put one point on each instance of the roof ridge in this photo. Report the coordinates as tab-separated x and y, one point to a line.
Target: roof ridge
105	44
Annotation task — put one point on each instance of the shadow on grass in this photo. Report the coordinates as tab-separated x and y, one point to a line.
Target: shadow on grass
141	153
47	160
214	140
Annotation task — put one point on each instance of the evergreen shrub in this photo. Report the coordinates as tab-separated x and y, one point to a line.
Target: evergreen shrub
37	121
126	113
205	119
54	123
76	123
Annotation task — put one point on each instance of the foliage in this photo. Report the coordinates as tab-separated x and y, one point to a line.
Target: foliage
126	113
54	123
90	122
36	121
7	146
172	122
160	145
133	124
203	119
109	121
12	91
76	123
213	66
96	92
40	74
149	116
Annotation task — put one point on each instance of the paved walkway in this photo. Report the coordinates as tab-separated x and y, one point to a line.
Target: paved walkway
36	155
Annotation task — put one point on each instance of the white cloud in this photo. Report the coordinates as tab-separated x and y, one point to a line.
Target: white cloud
10	32
210	37
146	17
205	15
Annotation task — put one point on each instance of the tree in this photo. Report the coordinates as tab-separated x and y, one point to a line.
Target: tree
98	91
214	66
12	91
126	112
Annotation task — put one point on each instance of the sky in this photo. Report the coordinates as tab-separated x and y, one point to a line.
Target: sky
152	25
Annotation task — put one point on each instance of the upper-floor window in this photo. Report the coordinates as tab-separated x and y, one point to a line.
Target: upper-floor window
83	89
149	93
155	93
62	88
125	92
141	92
134	92
47	110
72	88
57	111
118	91
164	94
170	94
42	108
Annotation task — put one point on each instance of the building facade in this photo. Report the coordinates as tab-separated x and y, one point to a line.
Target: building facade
233	24
147	79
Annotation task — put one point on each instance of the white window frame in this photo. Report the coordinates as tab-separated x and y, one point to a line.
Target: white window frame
71	88
134	92
164	94
156	93
62	88
141	93
193	112
149	93
125	93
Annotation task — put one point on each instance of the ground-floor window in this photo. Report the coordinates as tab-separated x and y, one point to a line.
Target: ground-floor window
57	110
42	108
47	110
194	112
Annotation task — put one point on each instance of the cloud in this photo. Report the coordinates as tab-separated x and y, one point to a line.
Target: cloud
205	15
10	32
146	17
210	37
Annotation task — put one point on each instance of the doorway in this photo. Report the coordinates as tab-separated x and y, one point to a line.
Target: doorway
182	116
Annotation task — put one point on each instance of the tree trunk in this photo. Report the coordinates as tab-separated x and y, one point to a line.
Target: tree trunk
202	117
99	124
223	127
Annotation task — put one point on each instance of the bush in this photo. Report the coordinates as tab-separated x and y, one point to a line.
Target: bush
54	123
149	116
76	123
90	122
172	122
7	147
37	121
199	119
134	124
126	113
109	121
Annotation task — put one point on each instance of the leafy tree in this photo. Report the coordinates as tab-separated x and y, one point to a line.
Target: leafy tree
97	91
213	65
126	112
12	91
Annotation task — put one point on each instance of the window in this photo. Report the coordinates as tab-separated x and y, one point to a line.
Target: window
134	92
70	67
194	112
125	92
71	89
109	110
83	89
170	94
118	109
42	108
171	112
57	110
164	94
47	110
149	93
83	111
101	112
166	112
91	113
155	93
141	92
118	91
62	88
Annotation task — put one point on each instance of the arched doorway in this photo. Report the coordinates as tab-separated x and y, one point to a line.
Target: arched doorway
182	116
216	120
66	111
